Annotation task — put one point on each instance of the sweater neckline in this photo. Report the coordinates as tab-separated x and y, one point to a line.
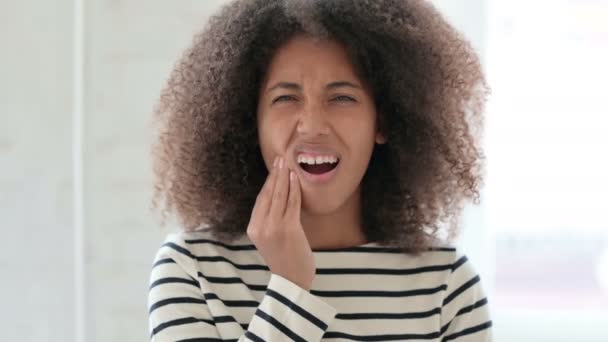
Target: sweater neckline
244	239
340	249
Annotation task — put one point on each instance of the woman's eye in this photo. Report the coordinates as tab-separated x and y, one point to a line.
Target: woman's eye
340	98
283	98
343	98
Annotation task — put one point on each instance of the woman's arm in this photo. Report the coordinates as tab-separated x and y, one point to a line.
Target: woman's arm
178	309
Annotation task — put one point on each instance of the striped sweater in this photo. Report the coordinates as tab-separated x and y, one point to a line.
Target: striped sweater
202	289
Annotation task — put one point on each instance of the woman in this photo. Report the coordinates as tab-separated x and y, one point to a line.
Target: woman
318	155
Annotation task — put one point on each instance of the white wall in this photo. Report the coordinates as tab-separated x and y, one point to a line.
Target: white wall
35	171
130	48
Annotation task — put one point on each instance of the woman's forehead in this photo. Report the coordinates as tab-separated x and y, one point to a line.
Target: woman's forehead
303	58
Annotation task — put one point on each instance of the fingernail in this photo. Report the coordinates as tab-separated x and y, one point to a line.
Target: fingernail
291	175
274	164
281	163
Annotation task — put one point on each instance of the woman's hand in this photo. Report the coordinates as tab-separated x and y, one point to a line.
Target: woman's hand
276	230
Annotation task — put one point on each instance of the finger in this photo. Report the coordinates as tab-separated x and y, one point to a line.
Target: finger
263	200
279	199
295	197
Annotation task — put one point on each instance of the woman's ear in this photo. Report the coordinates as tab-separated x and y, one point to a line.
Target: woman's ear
380	139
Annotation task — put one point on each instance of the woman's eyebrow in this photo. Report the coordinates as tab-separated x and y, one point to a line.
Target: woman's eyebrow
285	85
297	87
340	84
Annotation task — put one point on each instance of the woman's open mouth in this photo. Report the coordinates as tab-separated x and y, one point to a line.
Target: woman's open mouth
318	169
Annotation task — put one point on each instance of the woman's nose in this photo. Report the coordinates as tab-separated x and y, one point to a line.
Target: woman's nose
312	121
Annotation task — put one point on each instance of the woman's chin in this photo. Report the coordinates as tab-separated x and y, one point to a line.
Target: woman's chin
319	205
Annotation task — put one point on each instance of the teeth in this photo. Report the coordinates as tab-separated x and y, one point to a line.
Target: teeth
317	160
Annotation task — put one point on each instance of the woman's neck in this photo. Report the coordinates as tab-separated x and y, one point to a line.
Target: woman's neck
341	228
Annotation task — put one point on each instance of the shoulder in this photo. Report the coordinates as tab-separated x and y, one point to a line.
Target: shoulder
464	289
198	253
449	255
461	266
458	266
187	247
464	304
462	270
448	258
457	272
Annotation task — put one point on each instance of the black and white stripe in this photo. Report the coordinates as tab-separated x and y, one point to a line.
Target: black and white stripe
206	290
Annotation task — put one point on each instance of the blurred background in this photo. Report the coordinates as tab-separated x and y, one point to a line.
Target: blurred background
78	82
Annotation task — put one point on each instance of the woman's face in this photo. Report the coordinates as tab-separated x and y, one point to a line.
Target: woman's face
313	106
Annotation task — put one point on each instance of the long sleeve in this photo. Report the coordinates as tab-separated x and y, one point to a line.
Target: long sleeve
179	309
465	315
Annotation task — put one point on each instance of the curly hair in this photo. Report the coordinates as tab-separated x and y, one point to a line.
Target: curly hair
427	85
